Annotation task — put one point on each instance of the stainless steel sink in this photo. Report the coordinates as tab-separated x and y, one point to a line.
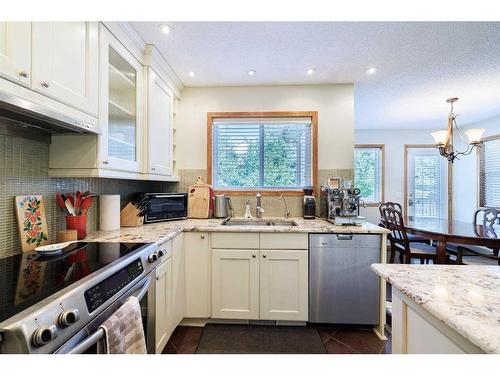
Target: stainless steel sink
259	223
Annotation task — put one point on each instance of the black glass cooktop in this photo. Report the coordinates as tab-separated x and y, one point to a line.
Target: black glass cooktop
26	279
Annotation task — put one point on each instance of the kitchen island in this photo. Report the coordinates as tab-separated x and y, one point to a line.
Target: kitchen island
440	309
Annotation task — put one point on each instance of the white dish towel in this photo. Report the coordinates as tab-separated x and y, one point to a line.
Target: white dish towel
123	331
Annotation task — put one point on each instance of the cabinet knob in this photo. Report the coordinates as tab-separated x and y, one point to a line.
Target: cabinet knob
105	162
153	169
45	84
202	236
264	255
23	74
254	256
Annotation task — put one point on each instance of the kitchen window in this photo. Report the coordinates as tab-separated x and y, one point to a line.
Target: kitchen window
489	179
269	152
369	172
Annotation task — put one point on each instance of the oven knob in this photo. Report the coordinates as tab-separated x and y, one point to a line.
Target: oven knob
44	334
161	253
152	258
68	318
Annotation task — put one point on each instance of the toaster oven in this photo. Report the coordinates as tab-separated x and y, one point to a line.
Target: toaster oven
166	206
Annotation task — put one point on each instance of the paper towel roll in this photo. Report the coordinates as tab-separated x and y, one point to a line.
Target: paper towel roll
109	212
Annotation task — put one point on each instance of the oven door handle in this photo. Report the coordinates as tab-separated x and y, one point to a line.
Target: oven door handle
140	293
88	342
137	292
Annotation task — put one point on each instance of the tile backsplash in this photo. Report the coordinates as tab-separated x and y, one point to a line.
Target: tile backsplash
24	170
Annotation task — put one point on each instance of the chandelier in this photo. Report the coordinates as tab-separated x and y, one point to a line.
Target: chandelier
444	138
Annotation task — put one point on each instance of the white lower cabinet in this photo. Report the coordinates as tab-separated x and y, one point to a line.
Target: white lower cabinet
178	281
197	260
163	304
283	285
260	284
235	284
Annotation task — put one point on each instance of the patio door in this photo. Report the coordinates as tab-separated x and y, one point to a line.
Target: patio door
426	185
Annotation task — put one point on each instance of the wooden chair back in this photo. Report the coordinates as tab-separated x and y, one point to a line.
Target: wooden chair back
383	205
490	217
393	219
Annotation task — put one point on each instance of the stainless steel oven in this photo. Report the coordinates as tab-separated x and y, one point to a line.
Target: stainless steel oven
86	339
79	290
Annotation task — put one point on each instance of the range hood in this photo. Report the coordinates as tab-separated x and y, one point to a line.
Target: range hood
33	115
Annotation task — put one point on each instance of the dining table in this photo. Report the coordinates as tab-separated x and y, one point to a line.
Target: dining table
444	231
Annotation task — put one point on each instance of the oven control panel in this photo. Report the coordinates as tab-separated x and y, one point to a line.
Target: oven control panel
100	293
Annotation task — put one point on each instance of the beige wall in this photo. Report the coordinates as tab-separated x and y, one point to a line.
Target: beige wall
334	103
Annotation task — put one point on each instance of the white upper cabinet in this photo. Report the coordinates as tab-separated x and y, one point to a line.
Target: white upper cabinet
15	51
65	62
159	129
121	110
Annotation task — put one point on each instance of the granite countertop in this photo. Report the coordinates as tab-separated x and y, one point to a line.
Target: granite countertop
161	232
466	298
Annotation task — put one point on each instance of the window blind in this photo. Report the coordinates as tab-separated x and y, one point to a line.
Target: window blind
368	173
427	186
490	174
262	153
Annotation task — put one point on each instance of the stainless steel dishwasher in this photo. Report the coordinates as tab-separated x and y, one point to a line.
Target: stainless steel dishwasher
342	288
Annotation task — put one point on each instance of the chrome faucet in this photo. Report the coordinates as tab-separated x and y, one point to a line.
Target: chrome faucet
258	208
287	213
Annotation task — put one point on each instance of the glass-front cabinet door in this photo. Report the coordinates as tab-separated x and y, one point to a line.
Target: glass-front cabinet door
121	106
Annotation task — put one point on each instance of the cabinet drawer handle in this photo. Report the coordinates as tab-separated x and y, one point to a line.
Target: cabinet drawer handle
45	84
264	256
254	256
105	162
153	169
202	236
23	74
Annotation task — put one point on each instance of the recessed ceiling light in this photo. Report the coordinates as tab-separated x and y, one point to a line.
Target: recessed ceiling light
191	74
251	72
311	71
371	70
165	29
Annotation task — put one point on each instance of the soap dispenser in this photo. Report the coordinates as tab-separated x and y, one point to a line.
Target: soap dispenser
248	213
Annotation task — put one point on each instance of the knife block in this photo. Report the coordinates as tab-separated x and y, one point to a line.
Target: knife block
129	216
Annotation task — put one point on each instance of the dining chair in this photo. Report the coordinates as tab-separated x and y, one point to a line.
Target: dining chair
481	255
393	219
411	237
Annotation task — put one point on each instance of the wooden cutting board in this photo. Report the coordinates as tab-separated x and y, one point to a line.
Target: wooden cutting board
31	221
200	200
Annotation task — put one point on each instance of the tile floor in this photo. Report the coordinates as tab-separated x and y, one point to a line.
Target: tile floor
341	340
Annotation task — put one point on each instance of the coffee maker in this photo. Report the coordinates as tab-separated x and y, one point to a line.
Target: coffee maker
343	202
309	209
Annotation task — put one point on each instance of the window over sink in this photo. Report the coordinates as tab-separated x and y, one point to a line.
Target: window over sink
269	152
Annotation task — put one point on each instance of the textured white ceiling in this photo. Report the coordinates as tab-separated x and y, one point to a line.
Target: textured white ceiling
419	64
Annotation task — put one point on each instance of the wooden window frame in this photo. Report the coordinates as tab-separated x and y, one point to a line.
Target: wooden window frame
313	115
382	180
